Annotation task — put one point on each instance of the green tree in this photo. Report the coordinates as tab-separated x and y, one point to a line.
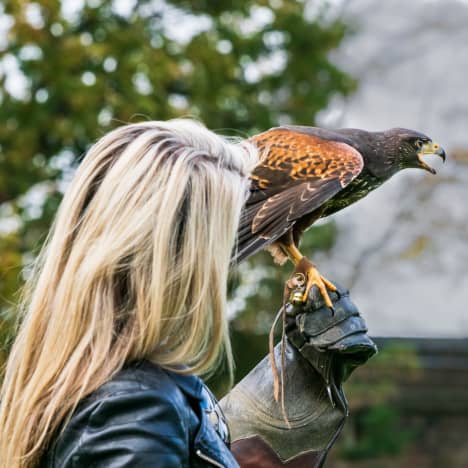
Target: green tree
67	77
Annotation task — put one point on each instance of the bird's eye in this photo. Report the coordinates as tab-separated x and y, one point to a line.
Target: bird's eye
419	144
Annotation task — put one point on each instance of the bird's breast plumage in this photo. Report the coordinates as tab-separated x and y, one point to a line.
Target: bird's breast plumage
357	189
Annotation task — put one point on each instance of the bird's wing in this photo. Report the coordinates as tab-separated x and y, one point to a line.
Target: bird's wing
297	174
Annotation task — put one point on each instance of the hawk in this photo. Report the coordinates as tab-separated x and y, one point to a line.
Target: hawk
308	173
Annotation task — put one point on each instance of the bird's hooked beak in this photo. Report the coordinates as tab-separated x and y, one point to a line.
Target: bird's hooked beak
430	148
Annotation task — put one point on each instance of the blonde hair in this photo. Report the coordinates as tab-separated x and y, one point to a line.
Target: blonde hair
135	267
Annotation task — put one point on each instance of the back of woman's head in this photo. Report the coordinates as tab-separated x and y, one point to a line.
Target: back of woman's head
135	267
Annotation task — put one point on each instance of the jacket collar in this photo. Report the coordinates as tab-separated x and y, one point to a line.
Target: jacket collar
191	385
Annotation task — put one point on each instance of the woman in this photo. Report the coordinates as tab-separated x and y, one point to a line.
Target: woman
127	303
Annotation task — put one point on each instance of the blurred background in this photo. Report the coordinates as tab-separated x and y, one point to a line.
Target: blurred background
72	70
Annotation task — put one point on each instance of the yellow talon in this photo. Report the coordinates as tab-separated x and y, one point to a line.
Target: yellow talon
314	278
305	269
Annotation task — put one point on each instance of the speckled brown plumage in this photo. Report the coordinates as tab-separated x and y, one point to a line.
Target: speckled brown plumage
296	174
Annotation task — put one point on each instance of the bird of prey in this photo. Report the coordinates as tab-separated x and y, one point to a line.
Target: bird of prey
307	173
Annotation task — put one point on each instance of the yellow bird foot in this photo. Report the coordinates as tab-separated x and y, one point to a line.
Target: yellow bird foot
307	274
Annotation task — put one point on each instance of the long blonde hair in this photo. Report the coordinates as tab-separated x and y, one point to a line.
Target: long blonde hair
135	267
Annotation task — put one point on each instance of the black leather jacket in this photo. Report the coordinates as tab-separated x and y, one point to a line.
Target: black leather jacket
144	417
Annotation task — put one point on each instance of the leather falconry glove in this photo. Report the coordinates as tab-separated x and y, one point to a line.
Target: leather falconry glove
322	348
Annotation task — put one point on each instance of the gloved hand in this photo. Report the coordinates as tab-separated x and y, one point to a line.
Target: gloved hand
333	342
322	349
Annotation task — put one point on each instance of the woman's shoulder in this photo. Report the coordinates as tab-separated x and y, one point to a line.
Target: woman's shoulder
141	390
143	406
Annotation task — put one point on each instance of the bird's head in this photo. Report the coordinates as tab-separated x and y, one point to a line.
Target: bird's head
385	153
410	147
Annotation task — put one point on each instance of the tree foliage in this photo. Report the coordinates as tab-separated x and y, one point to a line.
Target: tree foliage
70	73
